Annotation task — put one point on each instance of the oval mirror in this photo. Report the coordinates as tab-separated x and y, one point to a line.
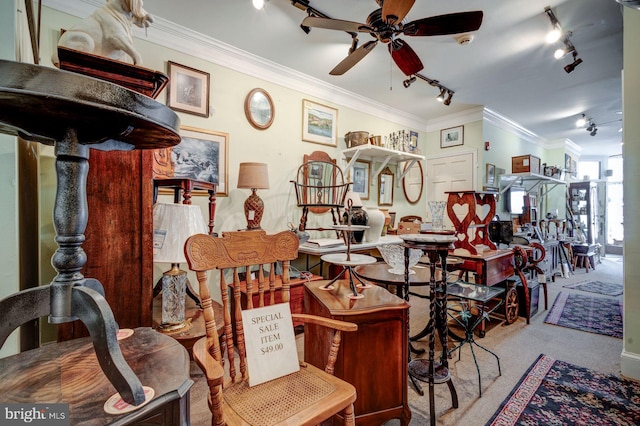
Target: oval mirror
385	187
259	109
413	182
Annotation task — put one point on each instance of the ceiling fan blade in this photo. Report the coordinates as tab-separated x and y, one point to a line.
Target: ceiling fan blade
405	57
356	56
394	11
335	24
453	23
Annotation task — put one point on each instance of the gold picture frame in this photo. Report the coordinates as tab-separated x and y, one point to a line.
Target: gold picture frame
319	123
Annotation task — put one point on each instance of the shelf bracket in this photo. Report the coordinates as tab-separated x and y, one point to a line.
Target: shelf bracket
382	165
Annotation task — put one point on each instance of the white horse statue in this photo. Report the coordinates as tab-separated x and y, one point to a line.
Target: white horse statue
108	31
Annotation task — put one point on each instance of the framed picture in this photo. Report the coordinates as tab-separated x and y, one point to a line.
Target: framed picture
188	90
361	178
413	141
202	155
453	136
319	123
490	174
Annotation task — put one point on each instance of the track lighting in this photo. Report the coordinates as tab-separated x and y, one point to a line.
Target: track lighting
408	82
569	68
558	34
580	122
259	4
447	101
444	91
594	131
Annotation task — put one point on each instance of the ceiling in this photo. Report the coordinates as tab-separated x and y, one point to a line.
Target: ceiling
508	67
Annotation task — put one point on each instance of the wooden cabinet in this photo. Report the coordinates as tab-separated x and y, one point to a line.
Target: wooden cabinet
119	236
380	345
584	206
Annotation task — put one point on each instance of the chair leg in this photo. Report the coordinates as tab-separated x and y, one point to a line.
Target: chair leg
544	289
349	417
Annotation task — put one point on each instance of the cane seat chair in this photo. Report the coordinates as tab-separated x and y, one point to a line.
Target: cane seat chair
306	397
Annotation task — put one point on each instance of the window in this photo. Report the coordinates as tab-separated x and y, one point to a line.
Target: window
590	169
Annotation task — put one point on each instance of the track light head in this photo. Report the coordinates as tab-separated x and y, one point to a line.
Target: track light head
581	121
448	100
409	81
594	131
441	96
569	68
259	4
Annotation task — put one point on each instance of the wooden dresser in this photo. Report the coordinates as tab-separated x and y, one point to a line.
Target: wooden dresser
375	358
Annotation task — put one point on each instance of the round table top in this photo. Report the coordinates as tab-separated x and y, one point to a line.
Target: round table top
379	273
43	104
355	259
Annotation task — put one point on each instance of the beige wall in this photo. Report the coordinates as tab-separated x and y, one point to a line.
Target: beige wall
630	359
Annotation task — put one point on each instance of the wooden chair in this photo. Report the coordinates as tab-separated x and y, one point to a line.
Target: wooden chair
306	397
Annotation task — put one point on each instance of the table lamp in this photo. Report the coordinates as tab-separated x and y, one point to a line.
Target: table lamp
172	225
253	176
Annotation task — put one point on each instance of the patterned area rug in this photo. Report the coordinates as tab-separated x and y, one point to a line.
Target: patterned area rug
610	289
558	393
587	313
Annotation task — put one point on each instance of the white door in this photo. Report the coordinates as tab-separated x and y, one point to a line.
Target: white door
450	173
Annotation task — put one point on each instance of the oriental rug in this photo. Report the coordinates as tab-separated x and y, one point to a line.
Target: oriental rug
600	287
555	392
594	314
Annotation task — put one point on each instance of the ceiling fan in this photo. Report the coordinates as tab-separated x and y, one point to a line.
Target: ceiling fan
386	24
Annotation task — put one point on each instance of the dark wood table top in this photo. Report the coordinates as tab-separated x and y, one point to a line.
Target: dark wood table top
69	372
337	301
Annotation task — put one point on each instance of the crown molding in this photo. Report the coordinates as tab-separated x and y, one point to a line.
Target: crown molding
455	119
509	125
173	36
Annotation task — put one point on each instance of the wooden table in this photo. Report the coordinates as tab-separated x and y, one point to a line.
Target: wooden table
489	268
69	373
380	345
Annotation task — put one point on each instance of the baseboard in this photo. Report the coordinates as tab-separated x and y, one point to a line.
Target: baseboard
630	365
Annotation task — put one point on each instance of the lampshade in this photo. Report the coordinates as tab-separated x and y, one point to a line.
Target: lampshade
172	225
253	176
355	199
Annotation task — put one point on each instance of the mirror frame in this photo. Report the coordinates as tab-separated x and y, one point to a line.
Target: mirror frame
251	114
386	172
405	183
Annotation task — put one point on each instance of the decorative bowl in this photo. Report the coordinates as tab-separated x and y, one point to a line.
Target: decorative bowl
393	255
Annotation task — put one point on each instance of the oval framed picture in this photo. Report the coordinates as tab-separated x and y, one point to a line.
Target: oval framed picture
259	109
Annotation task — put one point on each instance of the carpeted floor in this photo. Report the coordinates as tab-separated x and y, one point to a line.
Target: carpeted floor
555	392
518	345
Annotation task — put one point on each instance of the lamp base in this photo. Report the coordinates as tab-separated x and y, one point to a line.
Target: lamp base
174	284
253	210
